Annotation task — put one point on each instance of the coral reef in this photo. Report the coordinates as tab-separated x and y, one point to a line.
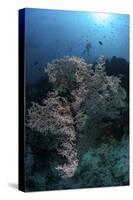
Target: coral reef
119	67
105	165
82	96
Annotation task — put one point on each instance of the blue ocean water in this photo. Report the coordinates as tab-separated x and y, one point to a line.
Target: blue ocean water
51	34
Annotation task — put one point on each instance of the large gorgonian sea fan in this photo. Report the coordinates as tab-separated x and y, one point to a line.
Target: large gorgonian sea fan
82	96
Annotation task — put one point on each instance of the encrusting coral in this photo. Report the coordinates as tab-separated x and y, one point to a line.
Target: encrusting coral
83	95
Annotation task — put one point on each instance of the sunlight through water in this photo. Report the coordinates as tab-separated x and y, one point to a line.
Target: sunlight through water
102	17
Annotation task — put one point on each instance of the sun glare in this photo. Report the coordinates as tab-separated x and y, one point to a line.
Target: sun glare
101	17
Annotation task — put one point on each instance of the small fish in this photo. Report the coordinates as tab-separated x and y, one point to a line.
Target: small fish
36	63
100	43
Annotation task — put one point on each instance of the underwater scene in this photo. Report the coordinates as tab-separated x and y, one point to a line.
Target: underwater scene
76	99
